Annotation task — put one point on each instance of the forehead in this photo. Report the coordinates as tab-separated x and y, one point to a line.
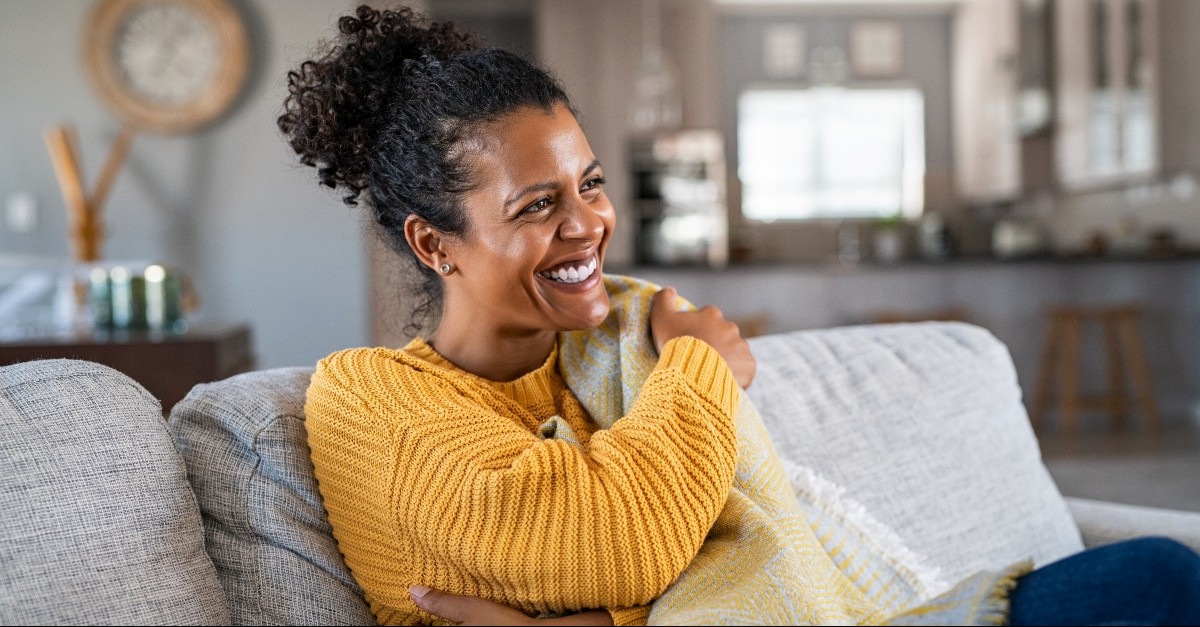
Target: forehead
531	144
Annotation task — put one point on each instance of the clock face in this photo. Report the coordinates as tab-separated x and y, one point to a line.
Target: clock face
167	53
167	66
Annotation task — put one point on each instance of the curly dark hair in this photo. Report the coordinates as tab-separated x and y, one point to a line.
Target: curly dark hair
384	114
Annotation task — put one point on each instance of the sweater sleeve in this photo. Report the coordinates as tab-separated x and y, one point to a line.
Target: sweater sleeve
622	616
476	504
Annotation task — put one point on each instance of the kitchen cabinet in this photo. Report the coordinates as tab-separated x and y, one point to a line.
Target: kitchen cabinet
1103	77
987	150
1106	125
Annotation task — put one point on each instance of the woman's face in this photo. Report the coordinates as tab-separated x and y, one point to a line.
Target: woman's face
539	223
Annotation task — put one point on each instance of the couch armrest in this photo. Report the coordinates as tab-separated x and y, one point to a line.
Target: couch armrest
1103	522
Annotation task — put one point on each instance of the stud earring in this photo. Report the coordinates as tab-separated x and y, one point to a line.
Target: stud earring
446	268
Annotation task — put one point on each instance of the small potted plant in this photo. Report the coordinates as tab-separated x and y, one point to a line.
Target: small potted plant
888	241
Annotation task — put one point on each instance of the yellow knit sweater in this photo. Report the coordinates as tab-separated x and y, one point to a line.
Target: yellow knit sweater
434	476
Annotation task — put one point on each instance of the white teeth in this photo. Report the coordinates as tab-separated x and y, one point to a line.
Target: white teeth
572	275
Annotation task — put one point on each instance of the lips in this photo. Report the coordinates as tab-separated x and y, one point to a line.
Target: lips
571	271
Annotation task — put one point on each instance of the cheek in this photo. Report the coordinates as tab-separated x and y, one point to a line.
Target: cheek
502	250
608	215
512	260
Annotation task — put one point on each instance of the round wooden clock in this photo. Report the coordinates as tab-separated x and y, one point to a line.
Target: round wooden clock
166	66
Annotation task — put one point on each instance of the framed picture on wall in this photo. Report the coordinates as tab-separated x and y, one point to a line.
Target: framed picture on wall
876	49
785	51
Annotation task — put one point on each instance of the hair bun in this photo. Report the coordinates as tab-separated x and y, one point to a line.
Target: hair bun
334	108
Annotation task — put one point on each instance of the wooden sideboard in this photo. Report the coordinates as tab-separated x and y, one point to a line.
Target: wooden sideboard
166	364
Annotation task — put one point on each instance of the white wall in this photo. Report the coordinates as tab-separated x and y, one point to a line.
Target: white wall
228	204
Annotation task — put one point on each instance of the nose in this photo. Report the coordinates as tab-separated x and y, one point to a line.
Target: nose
583	220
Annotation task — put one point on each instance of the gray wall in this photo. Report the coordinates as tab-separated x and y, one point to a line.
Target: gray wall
228	204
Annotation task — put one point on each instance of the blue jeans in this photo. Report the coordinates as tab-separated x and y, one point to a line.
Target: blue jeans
1148	581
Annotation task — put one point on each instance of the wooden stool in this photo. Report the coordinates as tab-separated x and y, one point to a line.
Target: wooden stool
753	326
1124	357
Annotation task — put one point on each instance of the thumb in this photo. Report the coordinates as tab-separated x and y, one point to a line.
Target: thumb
438	603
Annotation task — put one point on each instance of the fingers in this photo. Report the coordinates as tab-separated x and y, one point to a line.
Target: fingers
661	306
465	610
707	324
438	603
745	369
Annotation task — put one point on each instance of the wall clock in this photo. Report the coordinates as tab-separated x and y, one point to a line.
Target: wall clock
166	66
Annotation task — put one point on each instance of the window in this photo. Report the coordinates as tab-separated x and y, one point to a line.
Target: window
831	152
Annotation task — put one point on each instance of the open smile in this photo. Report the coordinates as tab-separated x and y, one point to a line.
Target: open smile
571	272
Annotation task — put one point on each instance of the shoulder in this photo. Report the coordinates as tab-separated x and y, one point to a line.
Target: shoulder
631	294
627	287
353	366
364	364
370	394
370	376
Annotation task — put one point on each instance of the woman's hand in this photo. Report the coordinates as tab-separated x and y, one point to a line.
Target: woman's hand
475	611
707	324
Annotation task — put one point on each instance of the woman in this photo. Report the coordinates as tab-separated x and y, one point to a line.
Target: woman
467	474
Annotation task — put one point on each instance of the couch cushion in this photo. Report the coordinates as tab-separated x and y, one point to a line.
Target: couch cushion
247	454
922	426
98	524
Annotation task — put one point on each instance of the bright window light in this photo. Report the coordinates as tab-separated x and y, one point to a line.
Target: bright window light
831	152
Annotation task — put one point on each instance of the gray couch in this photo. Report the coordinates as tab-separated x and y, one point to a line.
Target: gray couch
912	434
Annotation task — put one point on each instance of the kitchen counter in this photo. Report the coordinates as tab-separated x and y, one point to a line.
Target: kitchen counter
1008	297
869	264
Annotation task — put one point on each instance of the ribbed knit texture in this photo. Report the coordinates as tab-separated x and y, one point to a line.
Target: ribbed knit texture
434	476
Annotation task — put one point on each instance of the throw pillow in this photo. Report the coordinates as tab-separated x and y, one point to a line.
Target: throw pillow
98	525
922	425
247	455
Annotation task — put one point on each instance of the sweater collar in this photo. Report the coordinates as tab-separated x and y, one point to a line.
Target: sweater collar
539	383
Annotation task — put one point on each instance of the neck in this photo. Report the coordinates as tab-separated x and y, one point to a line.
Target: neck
490	353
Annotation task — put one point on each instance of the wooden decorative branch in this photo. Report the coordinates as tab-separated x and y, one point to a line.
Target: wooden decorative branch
84	209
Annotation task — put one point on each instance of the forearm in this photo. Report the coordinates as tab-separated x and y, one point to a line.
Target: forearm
591	617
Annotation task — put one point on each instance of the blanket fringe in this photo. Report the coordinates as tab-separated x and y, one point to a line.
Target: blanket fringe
924	578
995	608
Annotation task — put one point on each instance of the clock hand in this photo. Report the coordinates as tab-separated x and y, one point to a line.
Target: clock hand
169	51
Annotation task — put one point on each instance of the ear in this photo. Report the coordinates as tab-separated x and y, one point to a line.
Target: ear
427	242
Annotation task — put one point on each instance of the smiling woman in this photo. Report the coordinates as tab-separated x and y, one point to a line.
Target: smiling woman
464	461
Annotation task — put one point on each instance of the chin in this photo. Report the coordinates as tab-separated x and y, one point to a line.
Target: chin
591	319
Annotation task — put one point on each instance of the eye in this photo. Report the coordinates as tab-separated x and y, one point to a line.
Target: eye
596	182
541	204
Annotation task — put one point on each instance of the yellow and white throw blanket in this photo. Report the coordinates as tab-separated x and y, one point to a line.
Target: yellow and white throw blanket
769	558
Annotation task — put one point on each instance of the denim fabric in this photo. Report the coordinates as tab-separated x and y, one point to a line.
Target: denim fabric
1148	581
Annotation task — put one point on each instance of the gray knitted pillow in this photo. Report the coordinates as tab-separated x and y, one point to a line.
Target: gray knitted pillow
98	524
247	454
922	426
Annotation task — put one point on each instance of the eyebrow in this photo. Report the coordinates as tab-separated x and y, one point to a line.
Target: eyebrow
547	186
